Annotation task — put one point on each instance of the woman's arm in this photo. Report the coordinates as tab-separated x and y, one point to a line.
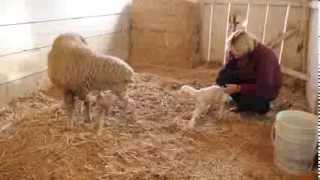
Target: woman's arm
268	76
249	89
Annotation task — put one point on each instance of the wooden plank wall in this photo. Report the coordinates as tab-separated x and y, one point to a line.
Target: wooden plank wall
27	29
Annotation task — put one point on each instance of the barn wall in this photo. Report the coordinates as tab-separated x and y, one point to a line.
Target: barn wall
28	27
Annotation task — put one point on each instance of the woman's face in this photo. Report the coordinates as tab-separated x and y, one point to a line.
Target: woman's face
235	53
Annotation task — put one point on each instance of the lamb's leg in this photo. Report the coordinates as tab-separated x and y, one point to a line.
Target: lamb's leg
129	104
221	111
130	107
222	107
104	107
69	100
84	98
120	91
200	108
100	123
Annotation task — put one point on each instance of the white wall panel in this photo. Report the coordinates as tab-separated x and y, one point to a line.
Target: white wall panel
17	66
24	11
17	38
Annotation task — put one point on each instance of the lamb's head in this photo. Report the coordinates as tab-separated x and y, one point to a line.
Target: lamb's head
103	100
106	99
187	90
218	93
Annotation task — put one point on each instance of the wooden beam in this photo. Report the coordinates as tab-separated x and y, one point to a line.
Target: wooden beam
255	3
266	17
277	41
294	73
210	32
227	30
304	34
284	31
247	17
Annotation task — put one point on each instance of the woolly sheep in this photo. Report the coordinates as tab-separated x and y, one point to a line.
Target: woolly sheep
76	69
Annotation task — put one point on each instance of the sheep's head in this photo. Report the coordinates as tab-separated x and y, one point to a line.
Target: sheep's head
69	37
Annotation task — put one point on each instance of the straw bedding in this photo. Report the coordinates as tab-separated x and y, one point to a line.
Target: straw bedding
35	142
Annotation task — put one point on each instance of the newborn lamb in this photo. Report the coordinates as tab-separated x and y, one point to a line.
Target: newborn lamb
205	97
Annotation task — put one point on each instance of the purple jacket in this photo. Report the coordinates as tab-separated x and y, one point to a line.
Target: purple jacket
267	73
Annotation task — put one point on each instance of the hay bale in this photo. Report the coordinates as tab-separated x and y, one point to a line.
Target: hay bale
165	32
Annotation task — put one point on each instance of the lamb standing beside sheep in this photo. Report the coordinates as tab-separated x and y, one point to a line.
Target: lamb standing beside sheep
76	69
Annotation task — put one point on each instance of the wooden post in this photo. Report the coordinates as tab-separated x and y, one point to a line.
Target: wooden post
227	29
247	17
284	31
265	22
210	32
304	34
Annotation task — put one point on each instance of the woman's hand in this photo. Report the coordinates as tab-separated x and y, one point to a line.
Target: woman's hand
232	88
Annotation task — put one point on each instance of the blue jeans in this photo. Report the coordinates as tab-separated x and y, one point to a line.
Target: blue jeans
243	102
251	103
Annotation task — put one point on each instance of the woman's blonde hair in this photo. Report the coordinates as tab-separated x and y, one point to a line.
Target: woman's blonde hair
242	42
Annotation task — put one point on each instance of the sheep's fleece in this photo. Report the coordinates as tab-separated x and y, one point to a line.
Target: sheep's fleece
77	70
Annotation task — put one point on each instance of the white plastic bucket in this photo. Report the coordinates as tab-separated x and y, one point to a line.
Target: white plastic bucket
294	138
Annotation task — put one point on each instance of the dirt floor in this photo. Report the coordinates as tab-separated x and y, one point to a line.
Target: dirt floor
36	143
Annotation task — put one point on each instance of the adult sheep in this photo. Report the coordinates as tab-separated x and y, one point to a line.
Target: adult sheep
76	69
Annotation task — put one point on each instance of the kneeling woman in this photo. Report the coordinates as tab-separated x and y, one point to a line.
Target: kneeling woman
251	74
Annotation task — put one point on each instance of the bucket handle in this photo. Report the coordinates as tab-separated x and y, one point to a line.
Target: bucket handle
272	135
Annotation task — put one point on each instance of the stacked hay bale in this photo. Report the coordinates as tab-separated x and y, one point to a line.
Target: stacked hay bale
165	32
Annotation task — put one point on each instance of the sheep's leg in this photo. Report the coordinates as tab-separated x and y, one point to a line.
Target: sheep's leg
100	125
101	122
87	111
69	100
